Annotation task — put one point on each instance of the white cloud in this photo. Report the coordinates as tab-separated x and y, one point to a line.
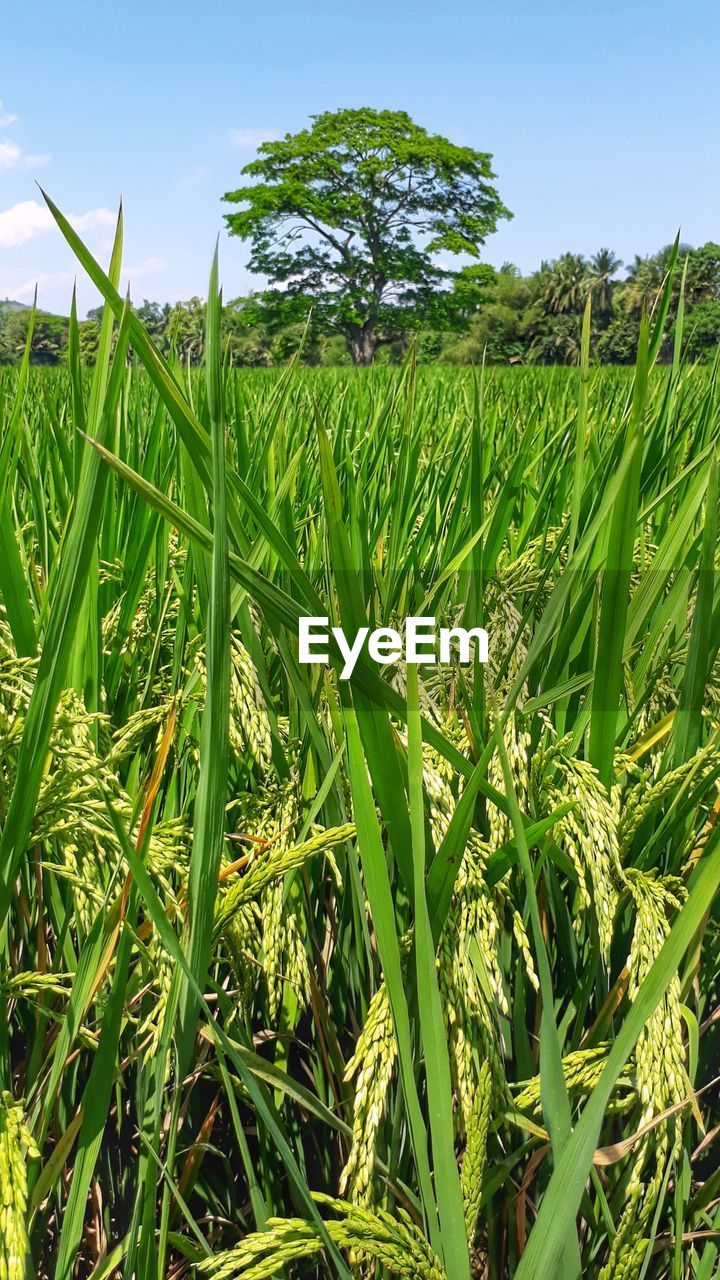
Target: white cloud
92	219
251	139
12	156
28	220
41	281
34	161
193	176
6	117
23	222
148	267
51	280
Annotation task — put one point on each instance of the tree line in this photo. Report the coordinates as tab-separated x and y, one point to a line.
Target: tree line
367	231
520	319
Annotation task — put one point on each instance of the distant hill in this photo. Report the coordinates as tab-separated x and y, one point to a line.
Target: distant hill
7	304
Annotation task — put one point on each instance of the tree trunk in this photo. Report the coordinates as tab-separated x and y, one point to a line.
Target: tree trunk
361	343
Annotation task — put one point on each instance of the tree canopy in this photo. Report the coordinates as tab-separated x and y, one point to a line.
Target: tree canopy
356	216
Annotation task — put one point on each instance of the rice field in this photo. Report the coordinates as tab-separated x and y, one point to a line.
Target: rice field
407	975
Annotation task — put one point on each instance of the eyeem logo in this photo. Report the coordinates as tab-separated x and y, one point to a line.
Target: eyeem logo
384	645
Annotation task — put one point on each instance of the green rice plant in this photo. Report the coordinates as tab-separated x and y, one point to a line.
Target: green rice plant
410	974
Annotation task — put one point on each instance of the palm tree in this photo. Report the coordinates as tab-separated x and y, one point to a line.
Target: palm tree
186	328
644	281
603	266
646	277
566	284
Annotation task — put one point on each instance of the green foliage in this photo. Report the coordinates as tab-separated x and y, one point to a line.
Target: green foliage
617	344
271	938
702	336
482	315
48	340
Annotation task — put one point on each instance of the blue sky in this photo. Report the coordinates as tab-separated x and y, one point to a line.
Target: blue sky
603	119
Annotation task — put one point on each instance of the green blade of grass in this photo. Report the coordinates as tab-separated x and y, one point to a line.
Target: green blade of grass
13	577
608	679
377	883
265	1111
687	726
581	427
14	585
553	1088
67	594
95	1106
209	824
564	1194
432	1025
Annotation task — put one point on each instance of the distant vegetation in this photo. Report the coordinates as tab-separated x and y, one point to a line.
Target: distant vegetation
367	231
534	319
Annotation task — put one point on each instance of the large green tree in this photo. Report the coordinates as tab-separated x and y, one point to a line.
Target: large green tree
356	216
